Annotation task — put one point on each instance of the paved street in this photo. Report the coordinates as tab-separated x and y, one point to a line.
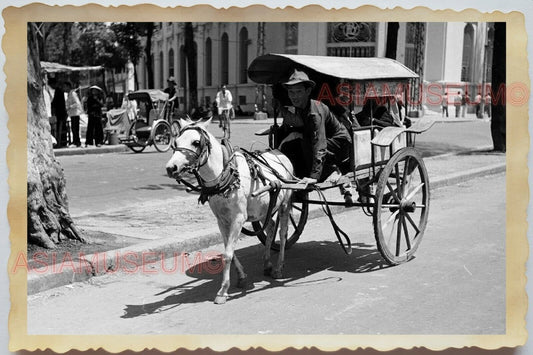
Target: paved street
455	285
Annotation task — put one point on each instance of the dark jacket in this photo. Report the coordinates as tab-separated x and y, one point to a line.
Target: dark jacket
318	126
94	106
59	109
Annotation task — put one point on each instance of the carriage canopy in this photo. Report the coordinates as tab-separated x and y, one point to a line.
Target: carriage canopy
275	68
153	94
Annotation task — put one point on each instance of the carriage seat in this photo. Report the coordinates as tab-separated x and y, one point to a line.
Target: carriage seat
152	117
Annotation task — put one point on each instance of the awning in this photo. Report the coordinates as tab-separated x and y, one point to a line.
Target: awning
61	68
275	68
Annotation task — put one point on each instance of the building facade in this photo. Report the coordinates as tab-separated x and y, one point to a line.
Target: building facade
454	55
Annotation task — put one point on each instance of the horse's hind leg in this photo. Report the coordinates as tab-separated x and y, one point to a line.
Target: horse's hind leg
241	283
270	233
283	227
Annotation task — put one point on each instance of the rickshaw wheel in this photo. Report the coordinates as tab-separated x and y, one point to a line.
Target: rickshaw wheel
297	220
401	206
140	143
137	148
161	136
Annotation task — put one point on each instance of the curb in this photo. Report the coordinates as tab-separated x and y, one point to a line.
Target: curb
127	259
119	148
143	254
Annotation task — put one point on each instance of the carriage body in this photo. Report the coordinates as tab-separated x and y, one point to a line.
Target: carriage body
153	121
386	169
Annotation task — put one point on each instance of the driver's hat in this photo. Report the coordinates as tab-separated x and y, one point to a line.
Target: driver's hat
299	77
171	80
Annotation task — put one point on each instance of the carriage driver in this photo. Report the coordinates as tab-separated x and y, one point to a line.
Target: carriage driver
316	142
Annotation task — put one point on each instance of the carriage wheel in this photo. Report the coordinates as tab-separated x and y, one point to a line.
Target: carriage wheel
401	206
162	136
141	143
297	220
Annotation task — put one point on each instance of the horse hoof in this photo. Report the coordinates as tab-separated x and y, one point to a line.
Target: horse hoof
276	274
220	299
267	271
242	283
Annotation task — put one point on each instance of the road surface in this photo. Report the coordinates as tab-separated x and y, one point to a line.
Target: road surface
455	284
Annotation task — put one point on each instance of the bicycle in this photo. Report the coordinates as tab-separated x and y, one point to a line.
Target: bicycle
225	122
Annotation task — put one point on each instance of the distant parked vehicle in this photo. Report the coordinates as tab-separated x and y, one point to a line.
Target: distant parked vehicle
153	123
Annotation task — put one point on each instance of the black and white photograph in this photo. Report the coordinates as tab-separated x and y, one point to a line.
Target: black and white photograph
314	181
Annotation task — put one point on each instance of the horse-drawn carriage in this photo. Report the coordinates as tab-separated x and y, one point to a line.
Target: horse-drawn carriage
387	172
153	121
385	169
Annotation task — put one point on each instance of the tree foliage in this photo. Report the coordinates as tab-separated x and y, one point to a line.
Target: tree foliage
96	43
128	36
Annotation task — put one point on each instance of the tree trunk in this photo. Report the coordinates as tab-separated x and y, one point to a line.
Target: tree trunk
49	221
190	52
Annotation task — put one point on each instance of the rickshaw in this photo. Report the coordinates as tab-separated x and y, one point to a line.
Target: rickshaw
153	121
385	169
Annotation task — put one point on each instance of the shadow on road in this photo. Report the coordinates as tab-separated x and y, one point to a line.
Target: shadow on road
303	263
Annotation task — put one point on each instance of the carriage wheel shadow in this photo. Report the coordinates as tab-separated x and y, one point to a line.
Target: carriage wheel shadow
303	262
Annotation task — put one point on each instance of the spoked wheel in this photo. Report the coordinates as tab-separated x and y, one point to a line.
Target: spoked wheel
297	220
226	125
141	143
401	206
161	136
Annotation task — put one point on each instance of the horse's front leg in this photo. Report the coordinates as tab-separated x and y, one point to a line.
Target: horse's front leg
230	233
283	228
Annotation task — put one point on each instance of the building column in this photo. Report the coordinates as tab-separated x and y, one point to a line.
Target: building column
400	48
381	39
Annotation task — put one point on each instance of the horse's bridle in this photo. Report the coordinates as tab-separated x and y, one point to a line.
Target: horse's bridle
200	156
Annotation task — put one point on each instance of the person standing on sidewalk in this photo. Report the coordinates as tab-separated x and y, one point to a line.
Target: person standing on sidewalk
59	111
457	101
477	101
465	99
445	105
95	133
74	110
488	104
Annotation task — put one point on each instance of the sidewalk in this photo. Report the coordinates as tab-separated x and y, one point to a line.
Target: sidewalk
177	225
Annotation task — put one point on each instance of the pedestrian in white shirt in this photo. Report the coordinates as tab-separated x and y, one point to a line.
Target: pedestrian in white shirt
74	111
224	102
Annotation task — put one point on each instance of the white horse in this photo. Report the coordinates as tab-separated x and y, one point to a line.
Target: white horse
227	184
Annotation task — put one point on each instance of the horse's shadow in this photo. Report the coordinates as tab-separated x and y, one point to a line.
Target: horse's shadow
302	262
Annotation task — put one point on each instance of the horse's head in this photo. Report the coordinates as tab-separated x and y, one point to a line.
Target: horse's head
191	148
